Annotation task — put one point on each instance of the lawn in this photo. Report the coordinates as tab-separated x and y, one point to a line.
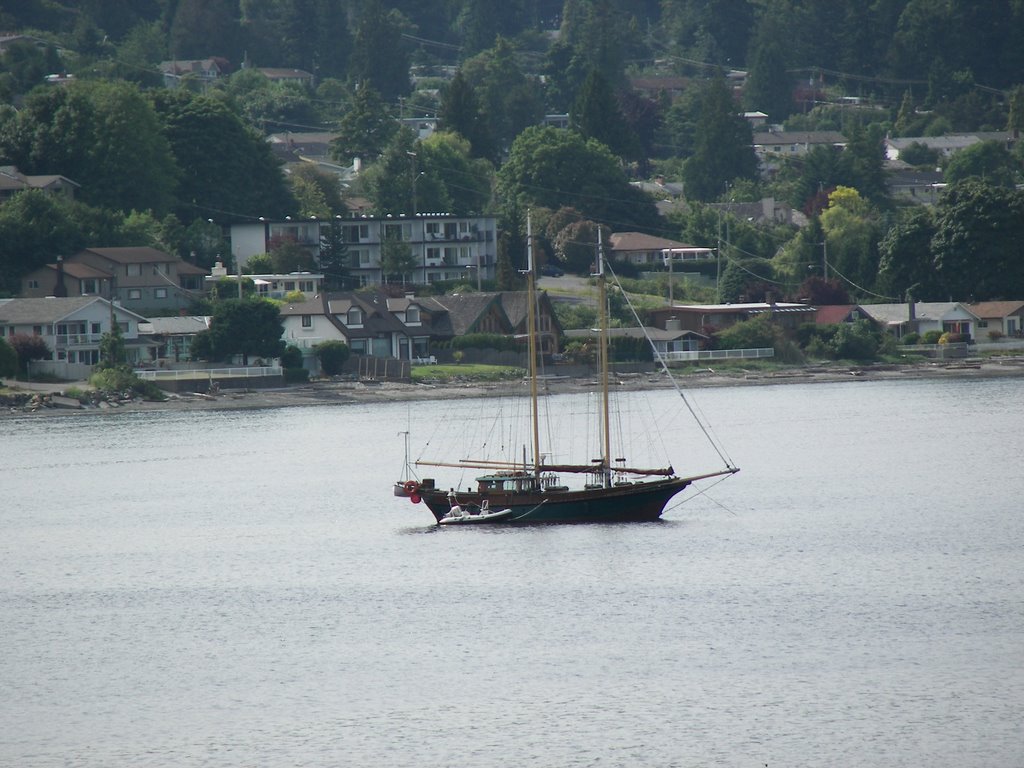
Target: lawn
467	372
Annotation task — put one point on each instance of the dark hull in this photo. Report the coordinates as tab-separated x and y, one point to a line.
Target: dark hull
636	502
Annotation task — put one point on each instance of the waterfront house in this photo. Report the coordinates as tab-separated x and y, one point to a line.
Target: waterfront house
718	317
72	327
998	318
923	316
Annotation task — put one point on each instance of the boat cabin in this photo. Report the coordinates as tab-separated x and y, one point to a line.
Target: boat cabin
508	482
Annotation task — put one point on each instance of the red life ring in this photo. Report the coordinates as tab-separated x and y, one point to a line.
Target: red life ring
414	498
411	486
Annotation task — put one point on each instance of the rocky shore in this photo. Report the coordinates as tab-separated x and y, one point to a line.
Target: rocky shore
28	399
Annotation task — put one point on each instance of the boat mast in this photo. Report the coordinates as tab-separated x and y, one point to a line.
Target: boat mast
531	332
606	458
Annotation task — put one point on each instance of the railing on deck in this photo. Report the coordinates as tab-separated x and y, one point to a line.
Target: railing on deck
248	372
721	354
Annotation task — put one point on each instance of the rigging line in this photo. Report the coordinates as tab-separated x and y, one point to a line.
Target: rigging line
704	492
720	450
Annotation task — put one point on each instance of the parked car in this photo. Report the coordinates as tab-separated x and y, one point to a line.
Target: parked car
550	270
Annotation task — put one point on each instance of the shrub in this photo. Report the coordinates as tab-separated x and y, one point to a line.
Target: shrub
484	341
995	334
931	337
8	359
911	338
332	356
291	357
28	348
295	375
120	378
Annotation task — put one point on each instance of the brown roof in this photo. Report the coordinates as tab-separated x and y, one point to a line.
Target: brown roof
133	254
638	241
991	309
80	271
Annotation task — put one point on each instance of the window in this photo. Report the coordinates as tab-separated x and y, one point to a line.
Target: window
306	286
89	287
133	270
96	328
307	321
37	330
289	285
134	293
33	283
393	232
434	229
160	293
412	314
433	255
354	233
355	316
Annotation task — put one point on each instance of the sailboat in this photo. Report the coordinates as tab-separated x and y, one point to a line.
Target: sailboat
530	490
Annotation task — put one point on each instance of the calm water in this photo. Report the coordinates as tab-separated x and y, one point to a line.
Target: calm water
240	589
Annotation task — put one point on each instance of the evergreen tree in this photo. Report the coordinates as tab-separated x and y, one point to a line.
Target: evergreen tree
460	112
723	145
365	129
334	256
596	115
379	53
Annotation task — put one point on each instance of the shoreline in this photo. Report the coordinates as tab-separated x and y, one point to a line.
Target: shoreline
347	393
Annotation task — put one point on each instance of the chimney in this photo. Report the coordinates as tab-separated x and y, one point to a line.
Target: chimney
60	289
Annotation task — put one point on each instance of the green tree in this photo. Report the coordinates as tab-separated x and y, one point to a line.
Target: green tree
205	28
906	265
334	256
446	161
241	327
34	228
104	135
379	53
723	148
112	348
396	258
576	246
979	228
286	256
317	192
365	129
851	235
461	112
510	99
989	161
595	114
769	87
332	355
8	360
230	172
549	167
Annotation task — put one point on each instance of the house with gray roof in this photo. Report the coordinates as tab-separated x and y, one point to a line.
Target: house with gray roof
13	181
72	327
923	316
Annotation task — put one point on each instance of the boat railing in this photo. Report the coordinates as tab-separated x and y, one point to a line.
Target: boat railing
720	354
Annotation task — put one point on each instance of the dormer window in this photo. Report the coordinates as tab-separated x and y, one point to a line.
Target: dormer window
355	316
412	314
